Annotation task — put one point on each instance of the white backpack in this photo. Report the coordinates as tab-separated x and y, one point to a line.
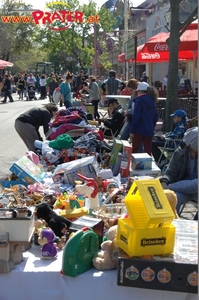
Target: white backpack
56	96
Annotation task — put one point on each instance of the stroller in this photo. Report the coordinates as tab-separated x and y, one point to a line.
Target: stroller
31	93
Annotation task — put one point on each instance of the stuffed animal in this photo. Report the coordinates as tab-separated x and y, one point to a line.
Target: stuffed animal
46	239
172	198
107	258
57	223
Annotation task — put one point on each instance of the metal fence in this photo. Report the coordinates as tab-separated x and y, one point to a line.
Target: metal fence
188	104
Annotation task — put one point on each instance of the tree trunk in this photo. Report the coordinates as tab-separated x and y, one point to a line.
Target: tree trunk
173	43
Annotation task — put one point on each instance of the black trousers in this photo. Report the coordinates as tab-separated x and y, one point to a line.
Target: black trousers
8	94
95	104
156	151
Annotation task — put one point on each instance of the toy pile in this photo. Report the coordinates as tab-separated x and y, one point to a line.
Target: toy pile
86	206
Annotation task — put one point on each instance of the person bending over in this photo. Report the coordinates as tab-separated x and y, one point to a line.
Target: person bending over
27	124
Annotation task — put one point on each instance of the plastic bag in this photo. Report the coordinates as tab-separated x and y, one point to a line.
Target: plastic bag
56	96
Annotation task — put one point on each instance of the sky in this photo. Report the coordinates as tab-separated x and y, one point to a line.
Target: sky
40	4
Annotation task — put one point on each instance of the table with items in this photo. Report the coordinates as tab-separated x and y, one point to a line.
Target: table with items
74	224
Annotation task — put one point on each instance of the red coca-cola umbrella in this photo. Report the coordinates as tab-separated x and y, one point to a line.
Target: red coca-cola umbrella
157	50
188	40
4	64
144	56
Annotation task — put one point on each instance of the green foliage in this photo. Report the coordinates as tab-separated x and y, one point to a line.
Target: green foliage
15	36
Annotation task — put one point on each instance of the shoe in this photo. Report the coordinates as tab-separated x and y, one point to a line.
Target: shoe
11	101
3	101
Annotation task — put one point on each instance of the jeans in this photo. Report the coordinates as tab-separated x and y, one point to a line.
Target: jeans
185	190
67	104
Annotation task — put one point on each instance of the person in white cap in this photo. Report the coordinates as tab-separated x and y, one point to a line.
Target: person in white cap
181	175
144	118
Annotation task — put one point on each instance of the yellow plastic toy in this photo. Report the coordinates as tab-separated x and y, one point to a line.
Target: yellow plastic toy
148	205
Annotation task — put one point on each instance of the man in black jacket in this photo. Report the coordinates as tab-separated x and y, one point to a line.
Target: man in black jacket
6	89
115	122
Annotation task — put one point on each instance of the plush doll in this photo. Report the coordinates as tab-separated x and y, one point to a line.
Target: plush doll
57	223
46	239
107	258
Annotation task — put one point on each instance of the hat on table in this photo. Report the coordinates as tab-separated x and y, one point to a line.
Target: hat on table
142	86
63	141
179	113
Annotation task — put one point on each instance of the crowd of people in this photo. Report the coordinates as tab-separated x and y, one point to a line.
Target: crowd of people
136	122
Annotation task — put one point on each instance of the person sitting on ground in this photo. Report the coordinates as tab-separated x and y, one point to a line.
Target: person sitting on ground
180	126
115	122
27	124
181	175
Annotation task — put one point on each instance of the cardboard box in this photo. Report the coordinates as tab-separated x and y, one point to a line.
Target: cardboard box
126	159
26	170
141	161
19	229
67	173
177	272
117	148
153	172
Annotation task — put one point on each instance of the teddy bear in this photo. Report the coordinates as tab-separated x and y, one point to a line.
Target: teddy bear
107	258
172	198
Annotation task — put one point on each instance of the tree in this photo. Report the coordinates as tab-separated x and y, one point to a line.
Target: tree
15	37
76	42
173	43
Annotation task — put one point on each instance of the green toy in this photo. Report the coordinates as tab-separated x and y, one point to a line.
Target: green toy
79	251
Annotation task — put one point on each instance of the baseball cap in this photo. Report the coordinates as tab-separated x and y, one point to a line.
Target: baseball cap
142	86
179	113
63	141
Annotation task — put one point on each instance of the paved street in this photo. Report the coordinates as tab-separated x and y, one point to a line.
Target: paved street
12	147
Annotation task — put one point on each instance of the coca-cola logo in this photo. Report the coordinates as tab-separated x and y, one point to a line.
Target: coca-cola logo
161	47
151	56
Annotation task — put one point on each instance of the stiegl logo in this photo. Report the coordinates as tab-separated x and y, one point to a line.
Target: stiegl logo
57	20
